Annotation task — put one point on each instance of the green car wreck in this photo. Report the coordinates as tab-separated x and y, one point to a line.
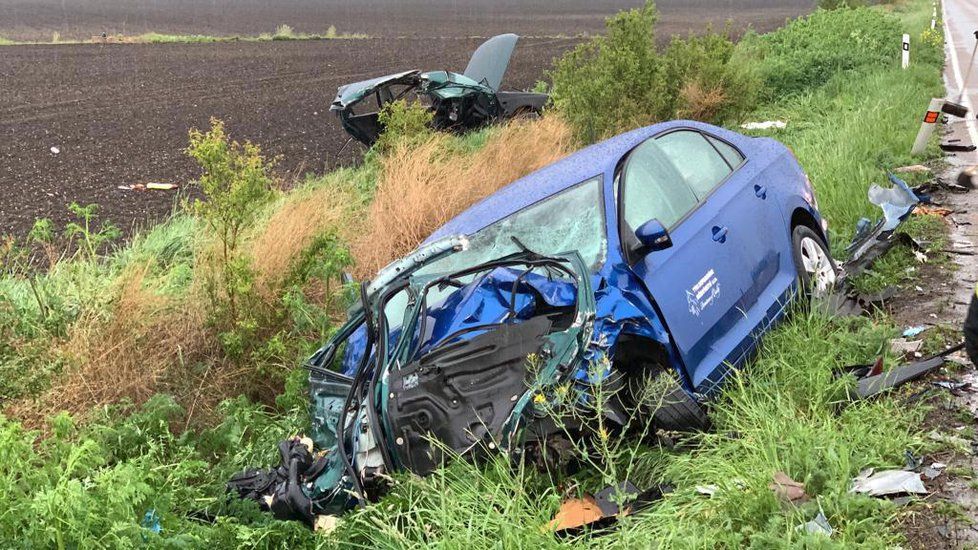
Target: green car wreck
458	102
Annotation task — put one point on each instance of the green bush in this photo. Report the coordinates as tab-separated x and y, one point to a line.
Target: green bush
403	121
620	81
810	51
237	184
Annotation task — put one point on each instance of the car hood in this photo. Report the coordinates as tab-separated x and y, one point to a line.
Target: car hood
348	94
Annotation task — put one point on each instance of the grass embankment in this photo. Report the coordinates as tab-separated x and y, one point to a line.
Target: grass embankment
175	316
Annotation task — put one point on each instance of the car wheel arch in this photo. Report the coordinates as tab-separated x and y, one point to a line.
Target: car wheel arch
802	216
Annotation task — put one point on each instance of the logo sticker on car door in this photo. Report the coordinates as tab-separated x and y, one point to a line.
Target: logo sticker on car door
703	293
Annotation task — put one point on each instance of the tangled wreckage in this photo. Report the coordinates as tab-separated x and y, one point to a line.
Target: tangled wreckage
635	257
458	101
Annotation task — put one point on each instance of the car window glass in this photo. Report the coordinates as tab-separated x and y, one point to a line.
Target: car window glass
652	188
698	162
733	156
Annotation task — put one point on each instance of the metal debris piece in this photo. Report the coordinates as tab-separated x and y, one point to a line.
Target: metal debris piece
818	526
880	383
869	243
887	482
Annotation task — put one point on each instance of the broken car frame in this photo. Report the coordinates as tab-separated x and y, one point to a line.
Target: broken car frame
458	102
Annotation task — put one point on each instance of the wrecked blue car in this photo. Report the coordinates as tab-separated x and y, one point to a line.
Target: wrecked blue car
669	249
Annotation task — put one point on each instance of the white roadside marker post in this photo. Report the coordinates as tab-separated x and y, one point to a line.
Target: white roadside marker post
927	126
906	51
933	19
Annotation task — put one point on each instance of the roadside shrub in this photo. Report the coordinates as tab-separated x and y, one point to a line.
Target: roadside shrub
713	85
403	122
614	81
620	81
810	51
236	182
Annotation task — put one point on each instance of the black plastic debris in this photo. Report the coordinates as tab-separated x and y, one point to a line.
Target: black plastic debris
279	489
873	385
957	148
603	509
852	304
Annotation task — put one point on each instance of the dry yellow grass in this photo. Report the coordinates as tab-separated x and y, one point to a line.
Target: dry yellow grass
292	228
700	103
422	187
146	346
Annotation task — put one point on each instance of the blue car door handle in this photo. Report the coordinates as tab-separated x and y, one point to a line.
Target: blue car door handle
760	191
720	233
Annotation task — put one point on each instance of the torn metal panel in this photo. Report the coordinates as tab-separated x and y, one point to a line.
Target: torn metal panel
888	482
869	244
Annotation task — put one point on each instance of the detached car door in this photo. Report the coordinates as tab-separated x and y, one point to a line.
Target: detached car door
700	283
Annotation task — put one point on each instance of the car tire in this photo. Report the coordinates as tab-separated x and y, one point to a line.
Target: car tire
678	411
817	272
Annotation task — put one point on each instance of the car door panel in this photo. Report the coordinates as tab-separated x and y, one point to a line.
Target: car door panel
712	284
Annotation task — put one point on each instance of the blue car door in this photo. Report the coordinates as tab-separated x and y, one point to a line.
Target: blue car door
702	283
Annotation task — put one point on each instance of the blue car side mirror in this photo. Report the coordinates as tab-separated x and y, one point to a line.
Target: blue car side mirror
653	236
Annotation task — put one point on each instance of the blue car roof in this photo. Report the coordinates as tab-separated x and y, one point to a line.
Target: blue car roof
584	164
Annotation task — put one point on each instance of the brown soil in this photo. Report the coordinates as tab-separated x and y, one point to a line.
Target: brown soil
118	114
37	20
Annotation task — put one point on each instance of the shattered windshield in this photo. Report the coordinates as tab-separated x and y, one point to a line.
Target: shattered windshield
572	220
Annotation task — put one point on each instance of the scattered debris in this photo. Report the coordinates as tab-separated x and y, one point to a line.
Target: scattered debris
575	513
957	148
151	186
887	482
938	211
279	489
708	490
766	125
840	304
912	169
914	331
818	526
897	203
787	489
603	509
902	346
966	178
151	521
872	385
325	524
55	150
